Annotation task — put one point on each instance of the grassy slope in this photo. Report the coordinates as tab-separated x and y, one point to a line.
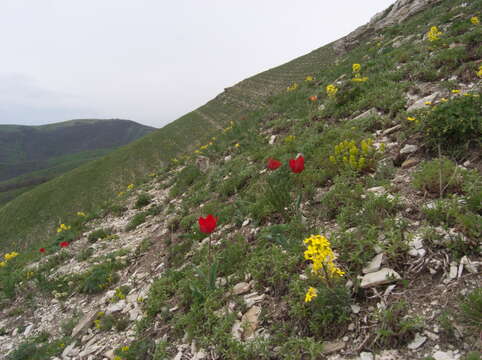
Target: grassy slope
237	190
29	217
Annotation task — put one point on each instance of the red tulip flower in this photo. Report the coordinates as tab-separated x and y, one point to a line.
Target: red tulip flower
64	244
297	165
208	224
42	250
273	164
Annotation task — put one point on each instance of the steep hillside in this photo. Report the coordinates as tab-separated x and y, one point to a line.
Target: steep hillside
336	218
30	155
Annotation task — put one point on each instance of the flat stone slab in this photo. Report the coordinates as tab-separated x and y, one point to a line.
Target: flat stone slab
383	276
84	323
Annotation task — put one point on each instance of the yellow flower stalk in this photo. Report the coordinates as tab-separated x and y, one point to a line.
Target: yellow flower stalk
331	90
479	73
311	294
11	255
319	252
434	34
292	87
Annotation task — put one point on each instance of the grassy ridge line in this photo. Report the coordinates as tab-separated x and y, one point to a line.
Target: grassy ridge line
33	215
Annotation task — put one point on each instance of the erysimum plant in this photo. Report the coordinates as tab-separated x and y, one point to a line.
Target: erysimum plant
322	257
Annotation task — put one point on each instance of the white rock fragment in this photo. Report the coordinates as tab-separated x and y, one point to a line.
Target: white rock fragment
409	149
383	276
470	266
422	103
253	298
453	270
442	355
241	288
355	308
116	307
272	139
366	356
374	265
417	342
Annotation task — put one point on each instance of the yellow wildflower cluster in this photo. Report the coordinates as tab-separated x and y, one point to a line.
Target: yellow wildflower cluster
121	193
204	147
311	294
357	157
309	78
292	87
81	214
357	77
11	255
125	348
119	295
152	175
455	91
229	128
7	257
319	252
479	73
331	90
63	227
130	186
289	139
433	34
475	20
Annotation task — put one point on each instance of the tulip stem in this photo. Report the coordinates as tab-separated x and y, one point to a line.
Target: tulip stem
209	250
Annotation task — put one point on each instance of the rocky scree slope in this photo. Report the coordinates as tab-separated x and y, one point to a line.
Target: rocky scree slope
136	280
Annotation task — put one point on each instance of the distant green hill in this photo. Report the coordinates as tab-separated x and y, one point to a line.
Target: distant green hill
31	155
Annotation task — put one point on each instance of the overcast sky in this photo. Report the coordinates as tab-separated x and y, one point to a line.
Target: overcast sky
151	61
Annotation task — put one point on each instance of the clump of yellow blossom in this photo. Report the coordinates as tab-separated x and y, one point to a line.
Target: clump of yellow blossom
125	348
411	118
433	34
63	227
475	20
3	264
444	100
120	193
455	91
479	73
331	90
319	252
292	87
356	157
357	77
81	214
309	78
11	255
130	186
311	294
237	145
289	139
